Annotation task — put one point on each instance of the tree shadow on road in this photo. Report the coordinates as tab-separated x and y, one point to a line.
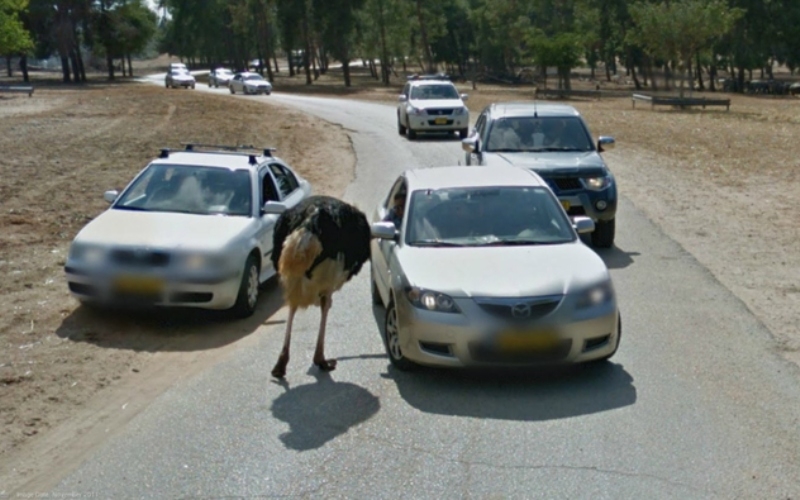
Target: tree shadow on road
321	411
154	330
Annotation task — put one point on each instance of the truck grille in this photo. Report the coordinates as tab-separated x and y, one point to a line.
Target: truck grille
565	183
440	112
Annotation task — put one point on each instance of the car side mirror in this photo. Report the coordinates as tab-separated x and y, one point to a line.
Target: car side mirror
111	196
582	224
464	97
471	144
401	98
273	207
604	143
384	230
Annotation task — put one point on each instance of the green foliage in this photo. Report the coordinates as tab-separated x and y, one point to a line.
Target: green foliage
14	38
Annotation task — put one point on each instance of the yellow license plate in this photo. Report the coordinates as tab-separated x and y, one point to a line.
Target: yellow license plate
565	204
527	341
139	284
440	121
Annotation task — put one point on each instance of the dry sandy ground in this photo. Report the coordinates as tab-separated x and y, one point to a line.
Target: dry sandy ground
717	182
60	150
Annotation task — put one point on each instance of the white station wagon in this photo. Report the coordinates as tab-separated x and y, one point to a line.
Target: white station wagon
193	229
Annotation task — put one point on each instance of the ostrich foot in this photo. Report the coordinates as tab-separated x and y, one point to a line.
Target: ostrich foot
280	367
326	365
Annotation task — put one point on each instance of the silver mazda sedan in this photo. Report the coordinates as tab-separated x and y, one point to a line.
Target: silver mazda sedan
480	266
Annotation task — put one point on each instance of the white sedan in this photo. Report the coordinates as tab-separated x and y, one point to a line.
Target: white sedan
249	83
193	229
483	267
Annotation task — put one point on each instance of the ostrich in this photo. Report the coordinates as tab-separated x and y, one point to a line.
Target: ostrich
318	245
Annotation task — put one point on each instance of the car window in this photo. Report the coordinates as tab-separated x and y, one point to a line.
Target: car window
486	216
434	92
286	181
529	134
189	189
405	89
480	124
269	192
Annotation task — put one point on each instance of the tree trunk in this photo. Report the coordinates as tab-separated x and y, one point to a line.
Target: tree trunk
699	73
8	67
423	32
81	67
384	52
740	79
346	72
712	78
23	66
130	66
110	63
122	67
65	69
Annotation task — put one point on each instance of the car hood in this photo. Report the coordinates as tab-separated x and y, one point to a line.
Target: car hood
257	83
182	77
436	103
170	231
589	162
516	271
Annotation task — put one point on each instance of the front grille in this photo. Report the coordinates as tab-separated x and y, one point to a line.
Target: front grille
485	353
439	112
522	310
436	348
596	343
576	210
566	183
140	257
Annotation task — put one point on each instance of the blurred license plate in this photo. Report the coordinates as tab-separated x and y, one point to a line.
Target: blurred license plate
565	204
440	121
139	285
527	341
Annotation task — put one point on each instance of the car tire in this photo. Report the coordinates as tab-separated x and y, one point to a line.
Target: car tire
231	89
411	133
616	347
247	298
603	234
400	128
391	341
463	133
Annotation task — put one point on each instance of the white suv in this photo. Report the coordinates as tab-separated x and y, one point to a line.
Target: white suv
431	104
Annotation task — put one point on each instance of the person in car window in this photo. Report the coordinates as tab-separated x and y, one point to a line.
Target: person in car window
397	211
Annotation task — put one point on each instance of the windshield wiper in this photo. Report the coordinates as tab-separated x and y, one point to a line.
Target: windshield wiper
554	149
505	150
434	243
509	243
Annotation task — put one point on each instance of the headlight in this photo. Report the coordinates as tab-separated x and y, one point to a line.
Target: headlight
202	262
415	111
88	254
597	183
430	300
596	295
460	111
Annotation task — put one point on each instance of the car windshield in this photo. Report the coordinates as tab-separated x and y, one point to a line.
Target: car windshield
189	189
434	92
542	134
493	216
223	72
253	77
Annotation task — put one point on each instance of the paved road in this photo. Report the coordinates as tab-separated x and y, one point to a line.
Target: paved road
696	404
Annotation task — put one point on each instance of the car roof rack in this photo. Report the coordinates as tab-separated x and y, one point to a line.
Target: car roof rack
242	149
436	76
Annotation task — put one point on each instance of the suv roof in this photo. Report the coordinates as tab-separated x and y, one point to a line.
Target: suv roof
528	108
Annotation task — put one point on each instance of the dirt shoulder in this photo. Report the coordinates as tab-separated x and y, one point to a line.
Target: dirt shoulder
63	367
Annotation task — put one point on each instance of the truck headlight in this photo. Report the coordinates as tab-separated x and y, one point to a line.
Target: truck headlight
460	111
415	111
597	183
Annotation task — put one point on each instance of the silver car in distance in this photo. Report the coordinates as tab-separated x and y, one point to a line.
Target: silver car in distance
479	266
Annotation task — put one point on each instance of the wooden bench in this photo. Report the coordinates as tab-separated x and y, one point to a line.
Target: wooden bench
19	89
681	102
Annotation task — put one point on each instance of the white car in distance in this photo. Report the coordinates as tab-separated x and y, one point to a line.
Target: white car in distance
193	229
249	83
432	104
219	76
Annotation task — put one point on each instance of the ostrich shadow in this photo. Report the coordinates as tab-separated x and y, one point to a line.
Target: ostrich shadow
320	411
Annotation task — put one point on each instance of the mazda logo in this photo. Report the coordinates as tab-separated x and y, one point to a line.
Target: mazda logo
521	311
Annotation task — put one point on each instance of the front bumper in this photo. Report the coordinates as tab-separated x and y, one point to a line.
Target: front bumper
183	83
437	123
469	339
121	287
258	90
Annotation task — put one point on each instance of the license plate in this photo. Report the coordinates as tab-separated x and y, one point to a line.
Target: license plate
527	341
440	121
565	204
139	285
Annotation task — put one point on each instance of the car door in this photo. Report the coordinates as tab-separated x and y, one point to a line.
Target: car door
478	134
382	250
402	106
267	191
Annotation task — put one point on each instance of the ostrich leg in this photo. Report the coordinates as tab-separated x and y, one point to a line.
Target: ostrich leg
319	354
280	367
